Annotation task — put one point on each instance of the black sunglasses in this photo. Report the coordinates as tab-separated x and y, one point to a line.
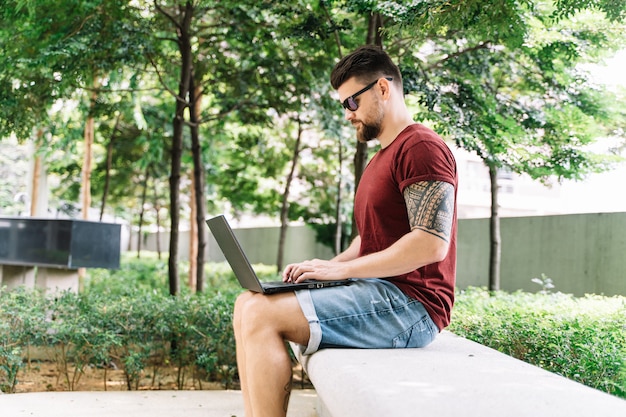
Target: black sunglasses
351	104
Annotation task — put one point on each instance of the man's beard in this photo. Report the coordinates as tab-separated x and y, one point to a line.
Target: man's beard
371	126
368	132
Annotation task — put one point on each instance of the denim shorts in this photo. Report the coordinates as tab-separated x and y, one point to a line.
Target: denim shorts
369	313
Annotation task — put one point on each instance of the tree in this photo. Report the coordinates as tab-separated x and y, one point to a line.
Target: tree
501	79
61	51
290	53
180	16
234	36
24	101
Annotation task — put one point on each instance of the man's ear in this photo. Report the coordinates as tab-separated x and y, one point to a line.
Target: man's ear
385	88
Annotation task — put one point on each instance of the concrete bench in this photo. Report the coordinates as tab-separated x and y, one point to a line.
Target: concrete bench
452	376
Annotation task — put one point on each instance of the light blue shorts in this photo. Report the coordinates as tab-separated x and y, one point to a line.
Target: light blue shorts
369	313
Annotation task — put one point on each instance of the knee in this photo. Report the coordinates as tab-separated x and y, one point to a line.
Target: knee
242	300
246	306
240	303
253	313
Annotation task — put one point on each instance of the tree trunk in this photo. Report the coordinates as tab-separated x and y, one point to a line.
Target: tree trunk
107	176
157	210
284	209
87	158
339	223
34	196
375	24
494	229
86	185
184	45
144	194
199	212
88	151
360	162
176	155
193	236
360	158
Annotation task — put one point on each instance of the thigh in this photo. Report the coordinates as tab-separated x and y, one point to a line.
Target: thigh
371	313
277	313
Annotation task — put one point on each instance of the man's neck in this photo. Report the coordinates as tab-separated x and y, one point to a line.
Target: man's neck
390	133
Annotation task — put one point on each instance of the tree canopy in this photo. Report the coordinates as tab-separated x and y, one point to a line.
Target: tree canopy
227	106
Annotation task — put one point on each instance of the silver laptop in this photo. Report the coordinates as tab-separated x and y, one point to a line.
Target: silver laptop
243	270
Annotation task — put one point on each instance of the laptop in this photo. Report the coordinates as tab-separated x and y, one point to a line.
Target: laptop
240	265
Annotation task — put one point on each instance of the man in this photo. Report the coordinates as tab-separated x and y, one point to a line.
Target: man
405	211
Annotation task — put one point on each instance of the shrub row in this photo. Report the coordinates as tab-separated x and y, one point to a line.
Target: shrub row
193	333
583	339
126	318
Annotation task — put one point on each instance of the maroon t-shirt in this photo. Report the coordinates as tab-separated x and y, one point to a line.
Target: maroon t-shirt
417	154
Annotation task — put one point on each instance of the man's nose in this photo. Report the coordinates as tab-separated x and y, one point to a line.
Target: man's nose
348	114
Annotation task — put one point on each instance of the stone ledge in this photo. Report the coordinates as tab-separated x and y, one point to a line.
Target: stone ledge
451	377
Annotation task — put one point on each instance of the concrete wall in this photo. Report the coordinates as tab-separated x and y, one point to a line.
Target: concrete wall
50	280
260	245
582	253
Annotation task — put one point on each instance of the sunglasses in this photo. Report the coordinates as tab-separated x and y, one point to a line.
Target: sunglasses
351	104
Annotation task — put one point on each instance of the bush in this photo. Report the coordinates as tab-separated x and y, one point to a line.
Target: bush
128	318
149	275
134	331
22	324
583	339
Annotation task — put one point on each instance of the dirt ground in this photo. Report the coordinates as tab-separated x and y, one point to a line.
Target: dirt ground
44	376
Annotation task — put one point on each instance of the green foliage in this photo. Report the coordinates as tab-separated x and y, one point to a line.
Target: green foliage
148	275
500	21
23	317
614	10
583	339
498	77
135	275
10	364
192	331
503	80
125	317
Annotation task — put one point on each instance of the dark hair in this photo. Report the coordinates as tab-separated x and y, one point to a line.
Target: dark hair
366	64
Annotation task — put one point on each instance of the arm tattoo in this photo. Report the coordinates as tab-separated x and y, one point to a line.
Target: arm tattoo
430	206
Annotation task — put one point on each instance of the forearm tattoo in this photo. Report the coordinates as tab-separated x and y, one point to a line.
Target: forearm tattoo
430	206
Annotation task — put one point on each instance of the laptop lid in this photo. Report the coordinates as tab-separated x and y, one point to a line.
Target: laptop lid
234	254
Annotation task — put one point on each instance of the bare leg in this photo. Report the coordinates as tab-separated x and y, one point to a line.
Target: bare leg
241	360
262	324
